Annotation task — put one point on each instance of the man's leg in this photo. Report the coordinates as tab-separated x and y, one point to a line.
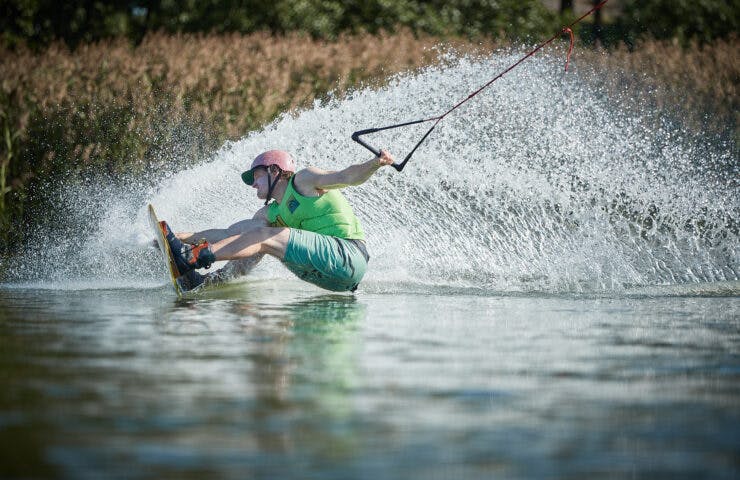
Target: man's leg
233	269
271	240
239	268
214	235
245	250
327	262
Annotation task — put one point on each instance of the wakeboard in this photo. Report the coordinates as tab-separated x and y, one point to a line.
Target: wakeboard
164	249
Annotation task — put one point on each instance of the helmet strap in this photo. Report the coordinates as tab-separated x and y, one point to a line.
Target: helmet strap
271	185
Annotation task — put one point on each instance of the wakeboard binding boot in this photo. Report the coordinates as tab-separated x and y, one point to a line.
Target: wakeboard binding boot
187	258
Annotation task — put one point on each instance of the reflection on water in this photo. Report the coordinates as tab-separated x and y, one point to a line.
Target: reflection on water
92	378
270	380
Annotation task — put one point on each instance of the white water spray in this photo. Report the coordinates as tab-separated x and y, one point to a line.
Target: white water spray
541	183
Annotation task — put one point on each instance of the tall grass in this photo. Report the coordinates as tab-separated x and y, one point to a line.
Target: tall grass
699	83
109	107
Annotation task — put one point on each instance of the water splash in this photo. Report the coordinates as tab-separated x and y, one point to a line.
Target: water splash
545	182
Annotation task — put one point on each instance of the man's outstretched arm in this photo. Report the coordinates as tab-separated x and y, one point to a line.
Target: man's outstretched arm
214	235
317	179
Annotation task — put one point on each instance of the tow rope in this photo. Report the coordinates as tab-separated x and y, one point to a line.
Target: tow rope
567	29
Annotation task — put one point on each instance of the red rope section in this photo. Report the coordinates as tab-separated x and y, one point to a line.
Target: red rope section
570	48
535	50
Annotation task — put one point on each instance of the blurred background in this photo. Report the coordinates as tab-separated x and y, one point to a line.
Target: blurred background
121	87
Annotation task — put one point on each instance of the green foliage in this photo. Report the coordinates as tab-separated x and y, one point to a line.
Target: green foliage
472	18
8	153
11	196
702	20
37	22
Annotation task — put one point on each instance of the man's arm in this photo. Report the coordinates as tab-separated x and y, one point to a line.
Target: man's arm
316	179
214	235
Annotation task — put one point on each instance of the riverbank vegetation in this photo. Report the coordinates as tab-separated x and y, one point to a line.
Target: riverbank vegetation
120	105
111	108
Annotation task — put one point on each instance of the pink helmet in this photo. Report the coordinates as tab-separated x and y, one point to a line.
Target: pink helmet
280	158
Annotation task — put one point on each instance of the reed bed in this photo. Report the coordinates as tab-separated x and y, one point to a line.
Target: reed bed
699	84
110	107
232	83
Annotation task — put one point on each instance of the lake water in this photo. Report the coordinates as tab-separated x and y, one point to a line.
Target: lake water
270	379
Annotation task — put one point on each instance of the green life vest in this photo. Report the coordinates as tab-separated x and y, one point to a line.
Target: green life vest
328	214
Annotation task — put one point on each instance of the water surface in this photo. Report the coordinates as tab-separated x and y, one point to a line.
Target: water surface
270	379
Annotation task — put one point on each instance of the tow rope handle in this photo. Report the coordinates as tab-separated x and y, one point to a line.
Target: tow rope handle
356	138
399	166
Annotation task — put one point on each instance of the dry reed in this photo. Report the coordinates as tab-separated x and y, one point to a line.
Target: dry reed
699	84
110	107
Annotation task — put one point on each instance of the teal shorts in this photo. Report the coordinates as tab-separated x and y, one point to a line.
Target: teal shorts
328	262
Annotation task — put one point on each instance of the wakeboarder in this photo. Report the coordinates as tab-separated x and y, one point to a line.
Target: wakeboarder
306	223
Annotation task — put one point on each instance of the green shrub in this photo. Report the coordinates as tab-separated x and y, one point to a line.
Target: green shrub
38	22
685	20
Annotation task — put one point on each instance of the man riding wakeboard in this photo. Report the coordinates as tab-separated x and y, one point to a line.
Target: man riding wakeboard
309	226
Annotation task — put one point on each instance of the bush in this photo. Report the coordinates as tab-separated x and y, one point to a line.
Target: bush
686	20
39	22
